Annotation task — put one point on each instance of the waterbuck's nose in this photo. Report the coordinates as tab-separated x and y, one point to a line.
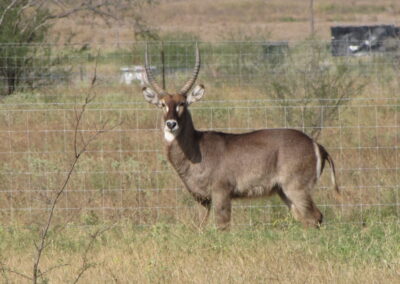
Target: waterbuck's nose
171	124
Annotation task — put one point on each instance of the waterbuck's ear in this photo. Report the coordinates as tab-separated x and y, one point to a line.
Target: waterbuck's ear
196	94
150	96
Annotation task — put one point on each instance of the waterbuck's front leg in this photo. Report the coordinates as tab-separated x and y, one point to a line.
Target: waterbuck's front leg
205	218
222	206
207	204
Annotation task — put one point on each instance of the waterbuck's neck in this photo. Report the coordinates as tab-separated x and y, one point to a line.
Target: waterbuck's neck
185	148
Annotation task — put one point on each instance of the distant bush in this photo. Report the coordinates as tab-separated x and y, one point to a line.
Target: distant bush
17	60
26	61
309	75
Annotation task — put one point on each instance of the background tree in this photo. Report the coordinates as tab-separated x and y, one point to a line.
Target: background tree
25	26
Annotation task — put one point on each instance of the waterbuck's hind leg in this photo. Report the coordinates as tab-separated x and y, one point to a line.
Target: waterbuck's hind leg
283	196
302	206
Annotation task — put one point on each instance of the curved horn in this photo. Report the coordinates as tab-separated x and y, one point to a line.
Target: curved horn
189	84
153	83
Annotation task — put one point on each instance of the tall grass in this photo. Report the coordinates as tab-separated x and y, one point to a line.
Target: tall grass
160	253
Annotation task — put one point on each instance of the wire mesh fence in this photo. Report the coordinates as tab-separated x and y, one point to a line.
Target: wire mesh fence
349	104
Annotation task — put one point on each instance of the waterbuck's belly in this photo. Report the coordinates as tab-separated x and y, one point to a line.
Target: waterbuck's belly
254	191
254	186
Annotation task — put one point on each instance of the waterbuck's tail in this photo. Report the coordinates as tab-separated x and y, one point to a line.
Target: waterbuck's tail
326	157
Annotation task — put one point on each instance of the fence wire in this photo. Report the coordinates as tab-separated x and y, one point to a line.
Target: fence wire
349	104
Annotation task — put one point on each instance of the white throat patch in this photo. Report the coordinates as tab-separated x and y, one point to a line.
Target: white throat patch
169	136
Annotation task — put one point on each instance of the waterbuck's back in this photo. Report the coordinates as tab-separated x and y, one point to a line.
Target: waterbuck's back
253	163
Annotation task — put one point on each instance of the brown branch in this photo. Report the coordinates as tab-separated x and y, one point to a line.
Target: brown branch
29	4
85	6
85	260
5	268
45	232
78	117
43	238
53	268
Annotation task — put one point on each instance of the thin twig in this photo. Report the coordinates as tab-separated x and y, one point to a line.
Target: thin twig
6	10
5	268
85	261
78	152
53	268
43	238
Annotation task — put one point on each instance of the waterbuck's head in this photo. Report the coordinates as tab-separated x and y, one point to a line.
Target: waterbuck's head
174	105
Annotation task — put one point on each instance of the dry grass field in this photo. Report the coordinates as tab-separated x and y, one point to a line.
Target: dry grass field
123	182
162	254
210	20
124	185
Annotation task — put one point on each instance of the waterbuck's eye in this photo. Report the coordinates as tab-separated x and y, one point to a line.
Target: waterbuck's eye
164	107
179	106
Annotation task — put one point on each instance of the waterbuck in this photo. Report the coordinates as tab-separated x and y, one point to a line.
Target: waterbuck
217	167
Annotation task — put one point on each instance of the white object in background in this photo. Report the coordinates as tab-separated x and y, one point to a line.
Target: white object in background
137	72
